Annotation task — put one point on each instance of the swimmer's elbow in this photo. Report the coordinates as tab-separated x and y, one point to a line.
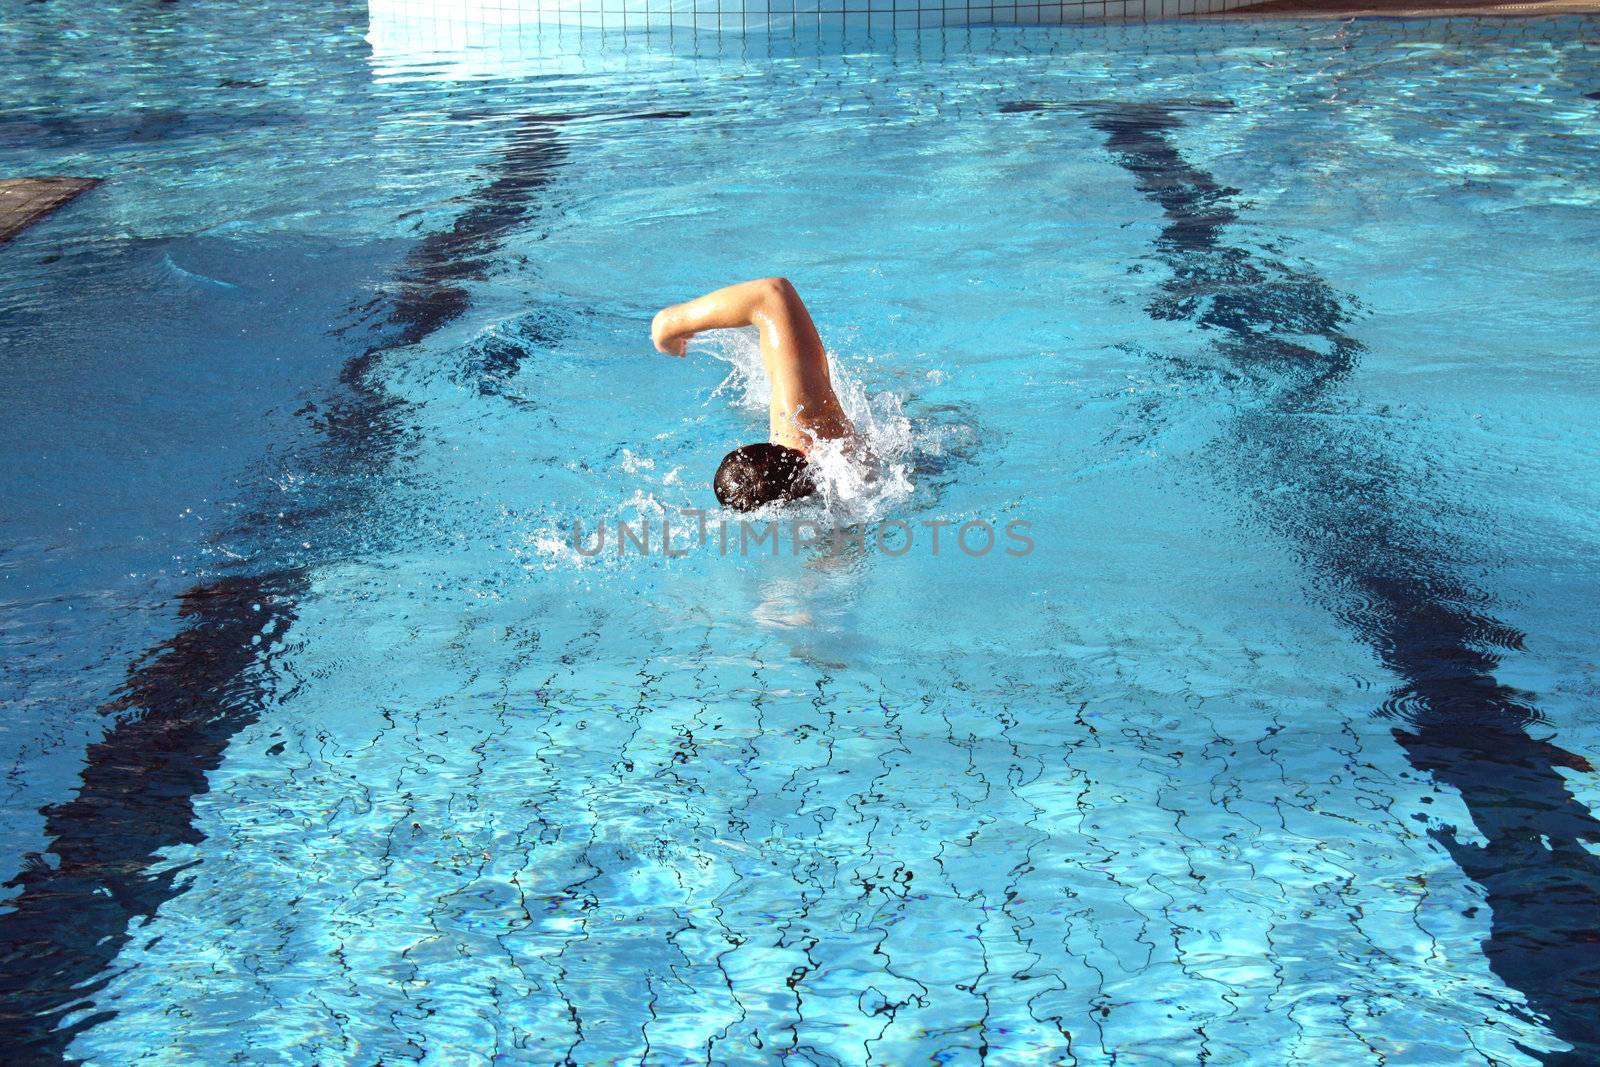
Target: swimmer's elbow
777	293
776	287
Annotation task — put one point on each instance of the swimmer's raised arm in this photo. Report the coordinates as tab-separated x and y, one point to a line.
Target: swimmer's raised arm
804	408
744	304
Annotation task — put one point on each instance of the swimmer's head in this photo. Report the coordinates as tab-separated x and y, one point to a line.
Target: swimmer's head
759	474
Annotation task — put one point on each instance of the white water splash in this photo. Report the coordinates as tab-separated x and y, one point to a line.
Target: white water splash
554	543
857	481
633	464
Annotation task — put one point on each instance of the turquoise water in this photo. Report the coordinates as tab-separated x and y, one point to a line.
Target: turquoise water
322	744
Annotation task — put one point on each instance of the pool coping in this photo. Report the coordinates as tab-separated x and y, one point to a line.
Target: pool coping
25	201
1405	9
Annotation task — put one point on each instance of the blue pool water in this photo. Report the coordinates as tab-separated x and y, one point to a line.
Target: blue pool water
321	744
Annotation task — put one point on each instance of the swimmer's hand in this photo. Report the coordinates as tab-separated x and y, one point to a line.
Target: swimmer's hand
666	338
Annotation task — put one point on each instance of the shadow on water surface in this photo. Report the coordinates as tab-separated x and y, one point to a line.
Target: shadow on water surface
1280	332
137	127
185	700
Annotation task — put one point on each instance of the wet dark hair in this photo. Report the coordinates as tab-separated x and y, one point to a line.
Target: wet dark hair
759	474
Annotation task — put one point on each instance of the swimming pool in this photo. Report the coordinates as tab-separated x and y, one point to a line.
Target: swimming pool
1272	750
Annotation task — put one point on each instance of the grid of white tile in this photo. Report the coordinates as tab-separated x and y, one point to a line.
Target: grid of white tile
464	19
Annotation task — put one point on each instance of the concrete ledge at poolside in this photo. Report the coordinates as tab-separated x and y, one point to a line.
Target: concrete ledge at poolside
1408	9
24	201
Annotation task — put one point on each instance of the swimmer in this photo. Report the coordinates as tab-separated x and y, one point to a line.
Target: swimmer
804	409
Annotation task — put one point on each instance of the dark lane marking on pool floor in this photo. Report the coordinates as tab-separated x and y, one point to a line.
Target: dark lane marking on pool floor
1020	107
186	699
1387	578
